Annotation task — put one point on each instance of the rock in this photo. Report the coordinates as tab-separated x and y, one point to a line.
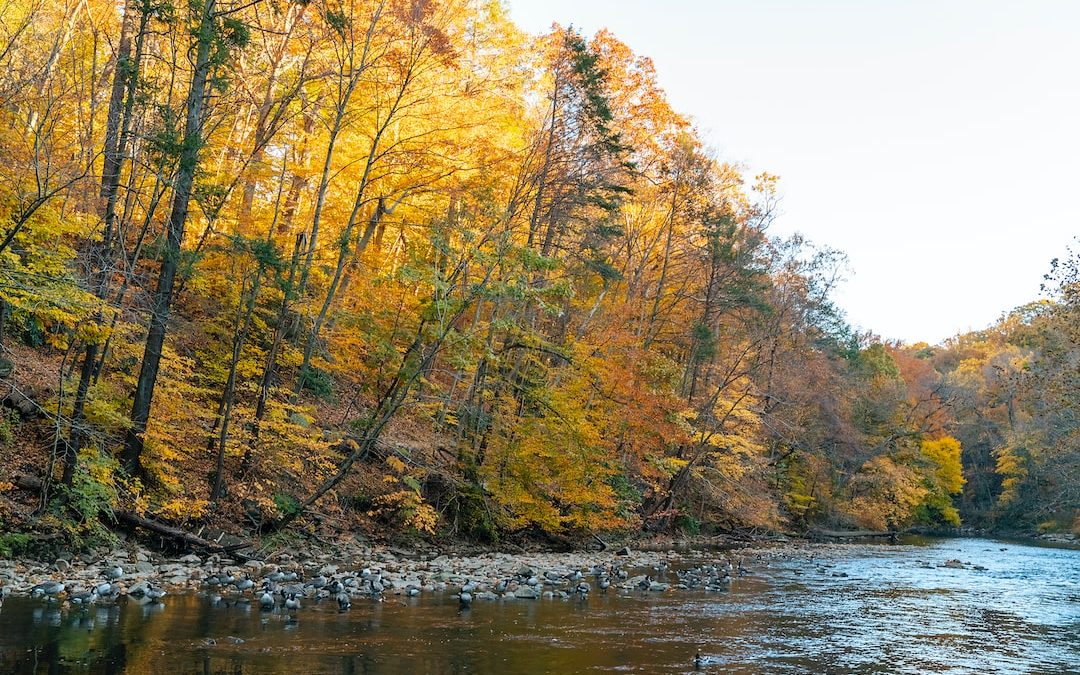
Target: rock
1058	537
953	564
325	570
526	593
254	565
191	559
657	586
62	565
138	589
144	567
625	550
141	556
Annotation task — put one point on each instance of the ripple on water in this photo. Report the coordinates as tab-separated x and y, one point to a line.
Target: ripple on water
836	609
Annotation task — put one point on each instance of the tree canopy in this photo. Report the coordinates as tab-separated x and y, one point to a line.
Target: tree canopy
395	261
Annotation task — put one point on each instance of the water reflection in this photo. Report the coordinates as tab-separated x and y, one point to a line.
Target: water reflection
842	609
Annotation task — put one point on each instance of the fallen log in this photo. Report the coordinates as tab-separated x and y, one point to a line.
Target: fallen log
133	519
179	535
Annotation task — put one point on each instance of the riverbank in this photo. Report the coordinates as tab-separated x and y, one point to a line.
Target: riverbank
421	569
396	570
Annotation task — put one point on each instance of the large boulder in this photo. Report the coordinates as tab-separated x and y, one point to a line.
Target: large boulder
526	593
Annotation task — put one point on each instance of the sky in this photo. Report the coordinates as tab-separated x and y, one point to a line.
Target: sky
937	143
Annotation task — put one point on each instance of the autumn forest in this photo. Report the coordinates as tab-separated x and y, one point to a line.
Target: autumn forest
394	266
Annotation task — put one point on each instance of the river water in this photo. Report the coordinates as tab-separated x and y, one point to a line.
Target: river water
826	609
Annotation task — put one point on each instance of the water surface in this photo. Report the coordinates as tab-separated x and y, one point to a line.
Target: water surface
830	609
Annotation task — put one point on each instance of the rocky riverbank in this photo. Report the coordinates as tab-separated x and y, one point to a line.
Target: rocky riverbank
376	571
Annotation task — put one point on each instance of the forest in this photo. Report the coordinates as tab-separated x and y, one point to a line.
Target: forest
397	267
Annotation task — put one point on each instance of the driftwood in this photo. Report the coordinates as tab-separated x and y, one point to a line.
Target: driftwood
133	519
181	536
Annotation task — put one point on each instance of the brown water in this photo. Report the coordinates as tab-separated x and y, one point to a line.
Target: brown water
837	609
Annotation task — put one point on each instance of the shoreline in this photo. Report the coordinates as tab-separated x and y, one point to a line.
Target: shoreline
427	569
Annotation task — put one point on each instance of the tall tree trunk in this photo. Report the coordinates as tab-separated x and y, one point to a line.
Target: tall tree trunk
346	236
275	347
110	171
650	334
355	72
228	396
125	82
182	190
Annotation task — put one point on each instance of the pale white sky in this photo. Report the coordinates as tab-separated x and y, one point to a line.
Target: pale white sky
936	142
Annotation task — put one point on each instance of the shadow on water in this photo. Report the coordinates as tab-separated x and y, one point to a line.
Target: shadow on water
836	609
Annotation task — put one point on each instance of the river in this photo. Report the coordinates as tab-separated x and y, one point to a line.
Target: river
861	608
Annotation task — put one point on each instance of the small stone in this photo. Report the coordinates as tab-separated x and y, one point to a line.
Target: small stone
254	565
62	565
191	559
143	567
526	593
625	550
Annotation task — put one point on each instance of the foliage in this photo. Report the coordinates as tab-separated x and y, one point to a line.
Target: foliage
465	280
406	505
13	544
